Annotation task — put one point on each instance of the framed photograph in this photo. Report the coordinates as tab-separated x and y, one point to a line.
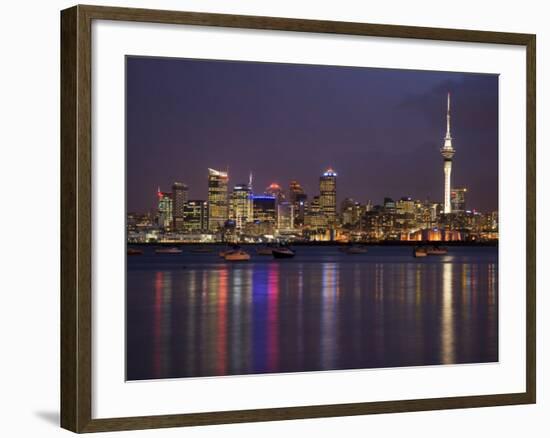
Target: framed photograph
270	218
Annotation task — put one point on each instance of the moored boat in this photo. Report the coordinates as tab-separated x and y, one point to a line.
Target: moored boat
283	253
420	251
172	250
237	255
134	251
228	250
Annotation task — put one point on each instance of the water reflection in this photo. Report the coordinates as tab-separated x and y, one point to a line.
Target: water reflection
329	315
447	320
311	314
161	324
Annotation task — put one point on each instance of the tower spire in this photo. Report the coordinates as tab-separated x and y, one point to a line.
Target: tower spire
448	115
448	152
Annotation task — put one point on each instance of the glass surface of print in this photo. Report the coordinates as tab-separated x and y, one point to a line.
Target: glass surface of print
320	218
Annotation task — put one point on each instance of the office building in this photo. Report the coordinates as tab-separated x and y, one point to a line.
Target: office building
218	211
195	216
179	198
164	209
327	197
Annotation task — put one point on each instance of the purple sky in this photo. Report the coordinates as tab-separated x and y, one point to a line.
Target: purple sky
380	129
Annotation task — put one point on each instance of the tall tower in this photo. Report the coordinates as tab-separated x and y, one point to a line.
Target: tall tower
448	153
327	198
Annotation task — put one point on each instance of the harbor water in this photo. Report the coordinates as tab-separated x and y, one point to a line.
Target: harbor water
194	314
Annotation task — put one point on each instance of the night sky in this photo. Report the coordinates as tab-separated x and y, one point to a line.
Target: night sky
380	129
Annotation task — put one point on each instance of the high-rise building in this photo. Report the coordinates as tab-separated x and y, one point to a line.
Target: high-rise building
285	216
240	207
164	209
458	200
275	190
298	199
448	152
195	216
179	198
218	211
327	197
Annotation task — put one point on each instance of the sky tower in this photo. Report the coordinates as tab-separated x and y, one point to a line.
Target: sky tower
448	153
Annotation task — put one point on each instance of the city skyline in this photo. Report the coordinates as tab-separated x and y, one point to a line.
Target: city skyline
379	165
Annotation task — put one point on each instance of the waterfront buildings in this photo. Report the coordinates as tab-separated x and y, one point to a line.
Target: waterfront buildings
267	217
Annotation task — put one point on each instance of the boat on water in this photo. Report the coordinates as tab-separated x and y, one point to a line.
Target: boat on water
202	250
283	253
173	250
436	250
134	251
354	249
420	251
228	250
237	255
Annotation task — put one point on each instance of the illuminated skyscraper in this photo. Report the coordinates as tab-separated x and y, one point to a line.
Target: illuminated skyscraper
241	205
458	200
448	153
179	198
164	210
327	198
297	198
218	211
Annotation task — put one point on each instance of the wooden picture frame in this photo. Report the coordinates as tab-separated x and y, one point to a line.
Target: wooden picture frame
76	218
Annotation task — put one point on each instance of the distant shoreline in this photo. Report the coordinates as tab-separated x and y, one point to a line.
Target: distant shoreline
337	244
